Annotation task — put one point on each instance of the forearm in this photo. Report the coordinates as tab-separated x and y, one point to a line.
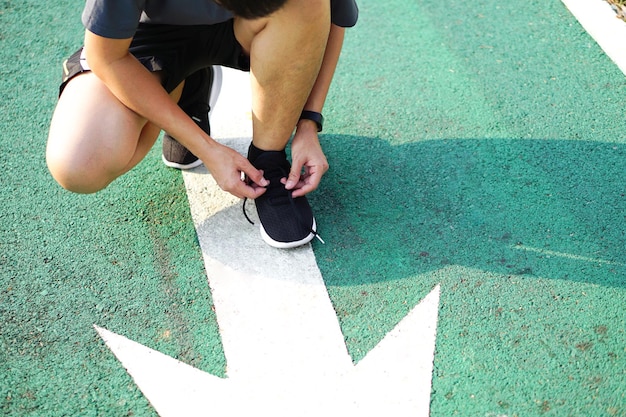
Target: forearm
140	90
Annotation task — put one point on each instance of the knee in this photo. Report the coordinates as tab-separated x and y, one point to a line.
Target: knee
73	175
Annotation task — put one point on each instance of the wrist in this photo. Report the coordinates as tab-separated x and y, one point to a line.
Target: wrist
306	126
208	149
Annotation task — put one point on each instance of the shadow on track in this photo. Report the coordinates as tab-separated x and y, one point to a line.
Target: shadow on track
545	208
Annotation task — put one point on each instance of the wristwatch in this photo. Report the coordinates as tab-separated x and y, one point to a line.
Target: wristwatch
314	116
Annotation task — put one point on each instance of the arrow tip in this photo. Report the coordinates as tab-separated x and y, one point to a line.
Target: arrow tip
172	387
401	365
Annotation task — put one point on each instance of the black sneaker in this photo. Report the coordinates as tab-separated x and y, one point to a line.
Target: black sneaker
198	98
286	222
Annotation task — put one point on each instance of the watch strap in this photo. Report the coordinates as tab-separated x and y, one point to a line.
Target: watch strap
314	116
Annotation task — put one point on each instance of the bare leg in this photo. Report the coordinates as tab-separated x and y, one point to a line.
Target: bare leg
286	51
94	138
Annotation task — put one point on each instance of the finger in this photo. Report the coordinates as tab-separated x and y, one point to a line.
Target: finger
243	190
294	175
304	190
254	175
300	183
253	192
310	183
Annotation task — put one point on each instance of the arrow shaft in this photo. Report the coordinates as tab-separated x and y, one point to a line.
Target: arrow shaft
295	330
272	306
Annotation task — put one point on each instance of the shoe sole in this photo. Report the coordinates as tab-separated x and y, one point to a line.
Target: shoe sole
176	165
286	245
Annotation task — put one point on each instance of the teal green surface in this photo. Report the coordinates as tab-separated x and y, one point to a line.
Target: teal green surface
126	259
479	146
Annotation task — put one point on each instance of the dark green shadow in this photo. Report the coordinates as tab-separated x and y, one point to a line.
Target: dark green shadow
546	208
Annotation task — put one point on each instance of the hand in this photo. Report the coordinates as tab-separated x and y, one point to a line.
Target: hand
308	163
229	168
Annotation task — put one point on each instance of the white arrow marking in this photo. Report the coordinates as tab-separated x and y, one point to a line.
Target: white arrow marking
393	379
284	348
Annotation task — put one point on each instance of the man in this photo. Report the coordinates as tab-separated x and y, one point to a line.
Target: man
120	90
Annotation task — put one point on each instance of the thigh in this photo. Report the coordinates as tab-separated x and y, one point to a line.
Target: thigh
91	124
93	137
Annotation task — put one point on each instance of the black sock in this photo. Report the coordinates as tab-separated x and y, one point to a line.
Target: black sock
254	152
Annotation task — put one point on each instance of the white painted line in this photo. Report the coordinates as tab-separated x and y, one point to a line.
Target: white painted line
231	118
285	352
601	22
549	253
271	304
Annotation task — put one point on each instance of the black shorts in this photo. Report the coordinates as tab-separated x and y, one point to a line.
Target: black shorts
176	51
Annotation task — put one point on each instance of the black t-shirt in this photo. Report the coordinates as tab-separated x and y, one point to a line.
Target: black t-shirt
119	19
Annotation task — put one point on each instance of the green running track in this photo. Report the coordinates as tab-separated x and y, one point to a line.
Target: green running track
476	145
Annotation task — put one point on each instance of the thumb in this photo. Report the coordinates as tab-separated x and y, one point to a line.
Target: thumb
294	175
